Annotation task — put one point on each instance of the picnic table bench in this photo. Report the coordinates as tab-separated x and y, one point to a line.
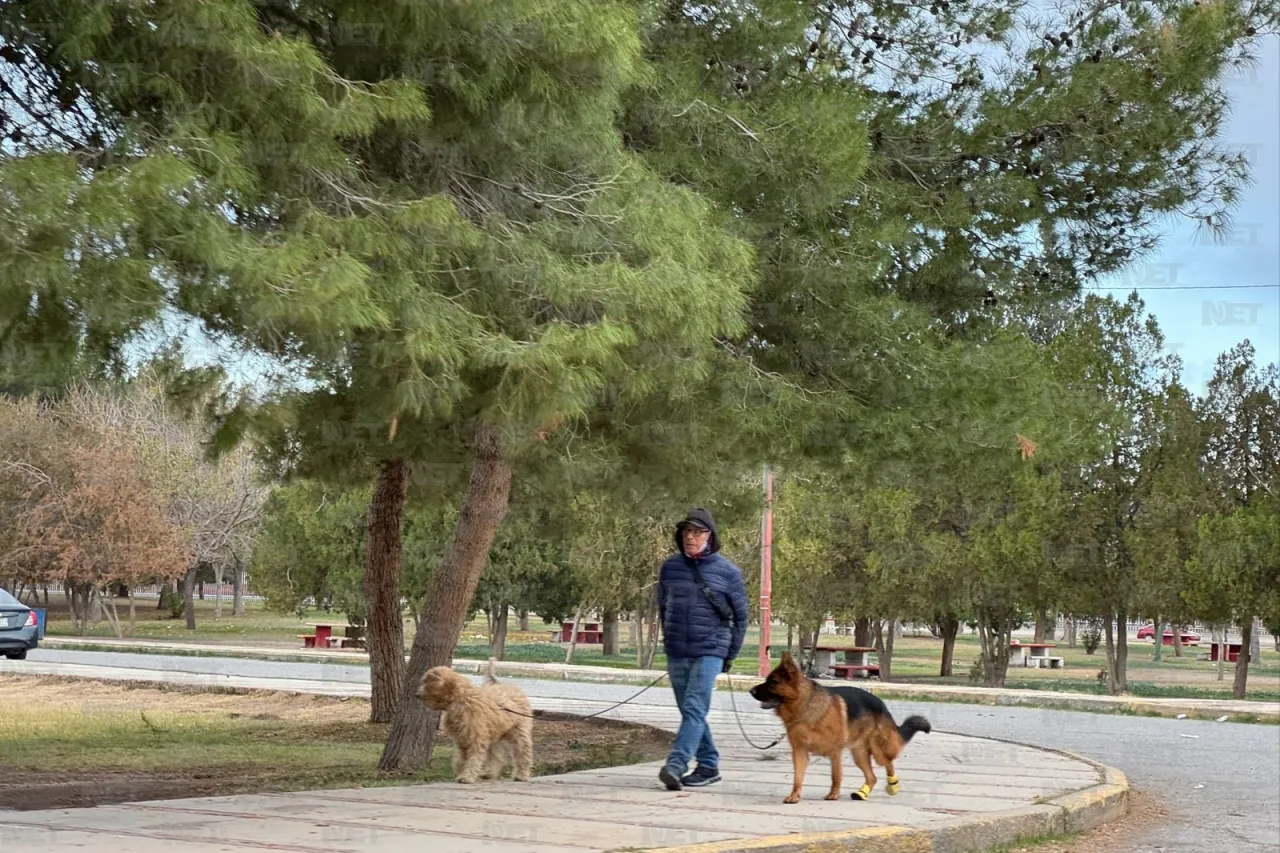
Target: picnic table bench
588	634
855	661
1230	650
1037	655
844	670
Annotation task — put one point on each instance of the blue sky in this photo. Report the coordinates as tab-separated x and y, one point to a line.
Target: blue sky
1207	297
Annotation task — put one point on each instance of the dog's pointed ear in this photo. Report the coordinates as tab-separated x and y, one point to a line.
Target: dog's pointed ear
788	663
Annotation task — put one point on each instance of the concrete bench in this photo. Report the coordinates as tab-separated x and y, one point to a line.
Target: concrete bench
844	670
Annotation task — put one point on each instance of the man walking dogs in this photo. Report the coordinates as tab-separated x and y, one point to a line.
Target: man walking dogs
703	602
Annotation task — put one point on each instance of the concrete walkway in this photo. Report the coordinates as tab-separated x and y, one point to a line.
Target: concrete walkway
1236	710
958	793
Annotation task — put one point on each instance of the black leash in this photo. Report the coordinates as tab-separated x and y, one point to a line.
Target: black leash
737	716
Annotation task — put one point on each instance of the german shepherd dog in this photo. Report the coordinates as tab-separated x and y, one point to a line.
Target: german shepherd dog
824	721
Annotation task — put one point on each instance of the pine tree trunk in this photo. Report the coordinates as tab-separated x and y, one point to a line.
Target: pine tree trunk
113	617
636	633
573	635
1159	638
862	632
498	647
1073	627
1042	626
1255	645
524	621
884	649
95	606
995	635
611	637
649	644
1238	688
1220	639
1177	639
950	627
384	635
413	732
133	616
1117	653
188	596
1122	652
217	591
237	603
1110	633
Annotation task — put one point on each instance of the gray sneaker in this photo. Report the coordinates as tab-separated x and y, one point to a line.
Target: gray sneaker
671	780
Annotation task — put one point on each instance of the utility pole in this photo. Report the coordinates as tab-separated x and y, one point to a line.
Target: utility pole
766	572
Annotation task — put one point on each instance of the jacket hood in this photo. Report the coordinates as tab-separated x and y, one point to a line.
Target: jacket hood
702	516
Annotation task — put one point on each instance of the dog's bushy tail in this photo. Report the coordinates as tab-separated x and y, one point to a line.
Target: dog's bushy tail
911	725
489	676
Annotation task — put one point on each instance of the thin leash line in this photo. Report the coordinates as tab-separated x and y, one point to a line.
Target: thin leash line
602	711
733	700
737	716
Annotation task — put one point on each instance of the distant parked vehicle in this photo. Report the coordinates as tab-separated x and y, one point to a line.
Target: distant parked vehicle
1148	632
19	629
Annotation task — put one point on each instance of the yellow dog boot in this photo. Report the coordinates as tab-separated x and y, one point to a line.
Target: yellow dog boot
892	787
863	793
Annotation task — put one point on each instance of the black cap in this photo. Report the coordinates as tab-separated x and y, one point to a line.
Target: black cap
699	517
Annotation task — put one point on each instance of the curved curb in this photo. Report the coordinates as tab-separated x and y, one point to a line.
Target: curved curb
1078	811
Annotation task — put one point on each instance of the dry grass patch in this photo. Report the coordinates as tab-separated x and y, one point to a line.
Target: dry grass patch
77	742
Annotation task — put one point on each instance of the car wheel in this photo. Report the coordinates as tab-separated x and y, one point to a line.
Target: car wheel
22	655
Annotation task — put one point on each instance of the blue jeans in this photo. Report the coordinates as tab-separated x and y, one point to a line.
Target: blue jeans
694	680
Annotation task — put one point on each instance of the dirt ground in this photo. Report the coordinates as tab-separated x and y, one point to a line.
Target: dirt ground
68	743
1145	813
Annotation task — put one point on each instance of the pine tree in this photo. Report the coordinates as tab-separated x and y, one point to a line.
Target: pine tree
1173	493
1234	574
481	239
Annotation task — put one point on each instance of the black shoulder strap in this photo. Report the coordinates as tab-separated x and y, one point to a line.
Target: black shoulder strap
726	616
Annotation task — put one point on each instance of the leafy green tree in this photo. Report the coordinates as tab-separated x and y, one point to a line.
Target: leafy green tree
819	552
526	571
311	546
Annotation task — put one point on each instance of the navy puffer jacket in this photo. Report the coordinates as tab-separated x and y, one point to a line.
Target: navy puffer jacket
691	627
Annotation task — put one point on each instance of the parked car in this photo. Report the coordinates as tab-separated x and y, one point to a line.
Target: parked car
19	630
1148	632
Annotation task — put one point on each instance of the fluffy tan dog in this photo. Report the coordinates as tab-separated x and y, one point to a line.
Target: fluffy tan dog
491	725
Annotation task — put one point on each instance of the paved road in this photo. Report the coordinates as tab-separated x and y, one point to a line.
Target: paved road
1222	786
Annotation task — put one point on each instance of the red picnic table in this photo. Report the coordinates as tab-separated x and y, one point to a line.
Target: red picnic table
323	637
589	634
